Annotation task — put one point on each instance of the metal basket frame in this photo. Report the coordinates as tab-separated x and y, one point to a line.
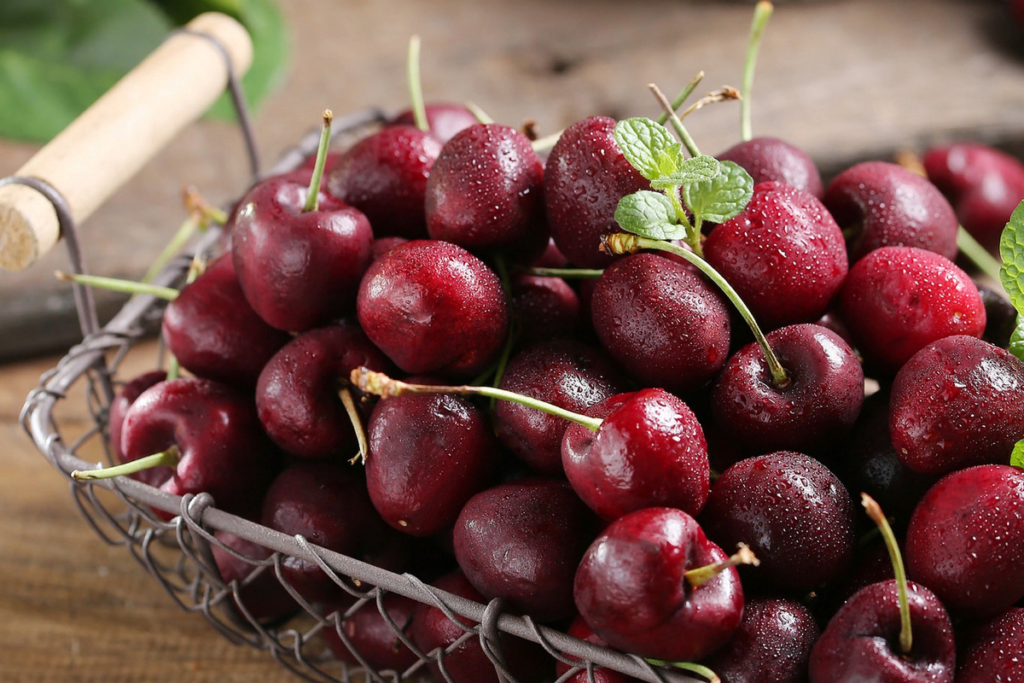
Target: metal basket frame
177	553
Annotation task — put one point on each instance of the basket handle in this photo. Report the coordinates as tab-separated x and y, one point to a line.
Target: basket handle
115	137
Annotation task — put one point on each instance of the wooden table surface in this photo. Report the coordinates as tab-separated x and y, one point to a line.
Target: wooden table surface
845	80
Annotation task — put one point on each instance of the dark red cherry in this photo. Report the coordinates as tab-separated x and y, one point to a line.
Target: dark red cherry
432	307
563	372
384	175
772	643
958	402
214	333
878	204
262	597
1000	316
818	406
794	514
299	269
584	178
783	254
579	629
771	159
994	653
543	526
897	300
371	635
663	323
631	588
544	308
648	452
861	642
485	193
444	119
966	540
123	401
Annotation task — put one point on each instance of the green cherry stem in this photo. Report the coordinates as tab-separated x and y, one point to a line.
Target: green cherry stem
313	194
381	385
977	254
698	669
677	124
725	94
168	458
200	216
345	394
626	243
579	273
114	284
510	340
875	513
762	12
412	70
682	96
545	143
478	112
692	229
701	575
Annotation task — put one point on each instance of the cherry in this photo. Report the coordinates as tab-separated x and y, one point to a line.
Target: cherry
794	514
383	245
328	505
544	308
783	254
429	454
262	597
771	159
897	300
579	629
443	119
384	175
543	526
995	651
819	404
584	178
652	584
214	333
958	402
879	204
197	435
965	540
299	253
432	306
123	401
662	322
983	184
297	395
467	663
772	643
649	451
371	635
485	192
1000	316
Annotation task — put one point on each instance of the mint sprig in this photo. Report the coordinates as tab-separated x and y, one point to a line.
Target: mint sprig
1011	275
699	186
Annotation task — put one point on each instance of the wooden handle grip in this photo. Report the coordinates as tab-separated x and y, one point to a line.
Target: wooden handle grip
119	133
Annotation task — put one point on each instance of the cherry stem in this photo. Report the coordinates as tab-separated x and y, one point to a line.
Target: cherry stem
677	124
200	215
581	273
682	96
725	94
380	384
626	243
195	269
477	111
168	458
419	110
357	424
545	143
875	513
698	669
114	284
313	194
506	352
762	12
701	575
977	254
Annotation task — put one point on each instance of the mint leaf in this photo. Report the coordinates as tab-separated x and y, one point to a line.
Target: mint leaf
700	168
666	162
1011	249
640	140
1016	346
721	197
1017	456
649	214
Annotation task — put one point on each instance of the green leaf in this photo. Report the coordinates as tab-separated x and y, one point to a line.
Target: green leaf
640	140
1017	456
1011	249
649	214
722	197
700	168
666	162
1016	346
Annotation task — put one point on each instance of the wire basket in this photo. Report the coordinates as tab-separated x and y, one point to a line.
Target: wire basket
177	553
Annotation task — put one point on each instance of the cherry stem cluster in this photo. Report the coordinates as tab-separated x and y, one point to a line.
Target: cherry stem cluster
875	513
381	385
677	124
682	96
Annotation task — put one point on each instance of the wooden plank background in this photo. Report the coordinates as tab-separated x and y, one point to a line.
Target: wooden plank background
845	80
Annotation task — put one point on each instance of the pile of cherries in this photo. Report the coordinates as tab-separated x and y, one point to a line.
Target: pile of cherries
588	424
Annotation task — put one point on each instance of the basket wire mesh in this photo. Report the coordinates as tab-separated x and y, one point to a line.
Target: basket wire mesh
178	554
